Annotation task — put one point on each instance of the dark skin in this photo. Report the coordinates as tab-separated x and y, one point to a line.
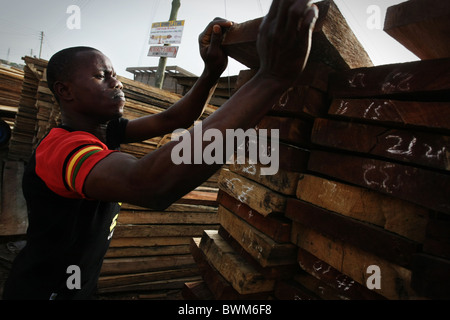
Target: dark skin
92	98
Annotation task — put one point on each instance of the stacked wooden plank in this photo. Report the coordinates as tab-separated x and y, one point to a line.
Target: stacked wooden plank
424	20
10	90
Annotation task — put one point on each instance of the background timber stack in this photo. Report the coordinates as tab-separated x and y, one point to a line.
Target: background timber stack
374	191
10	88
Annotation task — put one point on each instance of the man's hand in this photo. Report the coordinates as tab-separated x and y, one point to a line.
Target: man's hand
284	39
210	41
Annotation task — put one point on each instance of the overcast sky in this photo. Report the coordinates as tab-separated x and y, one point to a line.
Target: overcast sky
121	29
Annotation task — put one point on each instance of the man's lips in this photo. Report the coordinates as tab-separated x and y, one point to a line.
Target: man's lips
119	95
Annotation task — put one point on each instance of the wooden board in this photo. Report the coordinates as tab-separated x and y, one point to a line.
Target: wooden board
13	211
145	264
376	240
243	277
135	278
154	217
275	226
427	80
422	26
333	41
415	147
256	196
395	281
392	214
413	114
261	247
160	230
422	187
115	252
301	101
284	182
292	131
343	284
219	287
275	273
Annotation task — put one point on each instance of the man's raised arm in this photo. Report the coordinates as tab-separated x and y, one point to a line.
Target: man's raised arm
155	180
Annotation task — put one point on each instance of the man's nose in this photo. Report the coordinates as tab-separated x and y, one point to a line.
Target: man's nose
117	84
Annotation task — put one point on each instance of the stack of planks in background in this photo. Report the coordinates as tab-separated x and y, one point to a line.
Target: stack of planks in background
150	249
363	192
10	88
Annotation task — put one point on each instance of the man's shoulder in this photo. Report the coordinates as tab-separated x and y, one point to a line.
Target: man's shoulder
62	138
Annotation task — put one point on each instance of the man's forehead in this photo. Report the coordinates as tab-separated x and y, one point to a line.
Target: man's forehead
94	59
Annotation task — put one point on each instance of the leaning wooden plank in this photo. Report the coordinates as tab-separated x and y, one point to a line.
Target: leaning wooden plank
333	41
427	80
256	196
395	215
414	114
263	249
415	147
242	276
376	240
422	26
216	283
13	213
275	226
420	186
395	281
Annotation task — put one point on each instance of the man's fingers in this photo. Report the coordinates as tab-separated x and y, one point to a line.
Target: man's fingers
207	34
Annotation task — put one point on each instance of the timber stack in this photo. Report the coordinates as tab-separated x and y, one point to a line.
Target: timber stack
10	88
359	208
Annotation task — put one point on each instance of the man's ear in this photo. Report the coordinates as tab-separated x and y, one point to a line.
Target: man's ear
62	90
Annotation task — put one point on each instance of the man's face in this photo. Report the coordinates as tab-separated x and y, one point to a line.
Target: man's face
95	90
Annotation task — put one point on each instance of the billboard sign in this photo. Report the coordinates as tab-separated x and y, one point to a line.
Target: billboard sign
169	32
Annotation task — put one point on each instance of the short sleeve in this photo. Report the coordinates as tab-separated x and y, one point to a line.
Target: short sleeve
64	159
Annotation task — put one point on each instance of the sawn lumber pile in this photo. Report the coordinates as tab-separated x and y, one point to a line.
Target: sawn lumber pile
10	88
363	187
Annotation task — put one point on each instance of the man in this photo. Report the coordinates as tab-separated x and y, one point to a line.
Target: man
76	177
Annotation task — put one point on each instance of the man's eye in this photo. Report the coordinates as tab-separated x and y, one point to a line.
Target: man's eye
100	76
